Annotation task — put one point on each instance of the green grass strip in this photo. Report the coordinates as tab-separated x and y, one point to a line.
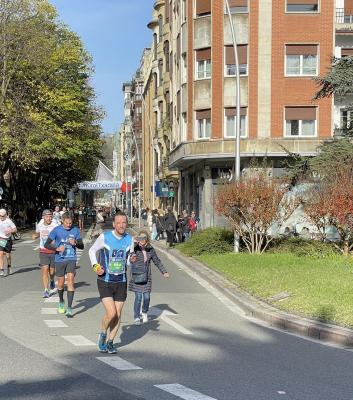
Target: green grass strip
318	288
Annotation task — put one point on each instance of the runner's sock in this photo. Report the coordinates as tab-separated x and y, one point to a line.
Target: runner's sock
70	298
61	295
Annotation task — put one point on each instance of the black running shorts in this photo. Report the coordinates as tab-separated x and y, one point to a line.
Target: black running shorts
62	268
46	259
116	290
6	245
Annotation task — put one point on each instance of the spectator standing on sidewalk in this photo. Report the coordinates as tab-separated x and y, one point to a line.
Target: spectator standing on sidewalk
141	275
193	223
186	227
170	226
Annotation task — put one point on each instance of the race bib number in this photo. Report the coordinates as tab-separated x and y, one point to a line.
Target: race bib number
117	262
3	242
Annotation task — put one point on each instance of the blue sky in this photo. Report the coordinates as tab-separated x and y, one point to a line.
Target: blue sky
115	34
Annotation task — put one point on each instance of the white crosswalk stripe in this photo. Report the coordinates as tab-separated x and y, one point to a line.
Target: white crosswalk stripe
183	392
55	323
118	363
49	311
78	340
53	299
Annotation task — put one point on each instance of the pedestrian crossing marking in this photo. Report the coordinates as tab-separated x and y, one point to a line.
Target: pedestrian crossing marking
27	242
55	323
78	340
118	363
49	311
183	392
53	299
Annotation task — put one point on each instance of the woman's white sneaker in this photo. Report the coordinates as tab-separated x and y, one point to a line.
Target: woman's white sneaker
137	321
144	318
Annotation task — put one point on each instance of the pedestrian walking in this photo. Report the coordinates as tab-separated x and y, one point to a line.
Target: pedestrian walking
150	221
113	249
81	217
141	275
46	256
65	239
160	226
7	229
170	226
57	215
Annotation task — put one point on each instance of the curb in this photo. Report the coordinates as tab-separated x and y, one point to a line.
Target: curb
258	309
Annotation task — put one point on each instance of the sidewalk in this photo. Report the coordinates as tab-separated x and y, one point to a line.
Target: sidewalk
255	308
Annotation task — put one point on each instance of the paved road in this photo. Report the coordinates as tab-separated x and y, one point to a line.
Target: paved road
195	347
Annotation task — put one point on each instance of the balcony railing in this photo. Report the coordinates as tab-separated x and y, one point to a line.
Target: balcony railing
344	16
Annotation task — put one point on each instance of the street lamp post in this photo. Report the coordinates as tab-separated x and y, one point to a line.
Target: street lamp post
237	124
152	147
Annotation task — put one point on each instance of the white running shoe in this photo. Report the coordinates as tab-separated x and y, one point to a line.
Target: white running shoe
137	321
144	318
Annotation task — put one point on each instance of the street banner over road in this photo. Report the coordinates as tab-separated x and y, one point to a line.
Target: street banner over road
95	185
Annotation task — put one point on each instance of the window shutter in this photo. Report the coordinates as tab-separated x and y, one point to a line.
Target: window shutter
232	111
203	7
203	54
238	3
348	7
303	113
178	103
167	11
203	114
346	52
303	2
301	49
242	54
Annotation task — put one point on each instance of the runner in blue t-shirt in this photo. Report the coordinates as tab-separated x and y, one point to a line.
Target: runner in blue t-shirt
64	239
113	249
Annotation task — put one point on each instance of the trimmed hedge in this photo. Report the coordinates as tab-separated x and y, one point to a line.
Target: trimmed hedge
208	241
303	247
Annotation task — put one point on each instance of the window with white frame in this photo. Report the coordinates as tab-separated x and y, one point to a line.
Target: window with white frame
183	11
203	124
229	58
203	63
302	6
183	127
230	122
346	119
237	6
202	7
301	60
300	121
184	69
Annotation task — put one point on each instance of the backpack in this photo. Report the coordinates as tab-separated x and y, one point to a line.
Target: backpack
192	225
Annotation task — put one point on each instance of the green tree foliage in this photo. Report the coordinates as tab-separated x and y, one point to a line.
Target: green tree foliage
338	80
49	123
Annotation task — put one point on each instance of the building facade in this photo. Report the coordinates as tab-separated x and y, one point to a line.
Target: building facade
189	91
